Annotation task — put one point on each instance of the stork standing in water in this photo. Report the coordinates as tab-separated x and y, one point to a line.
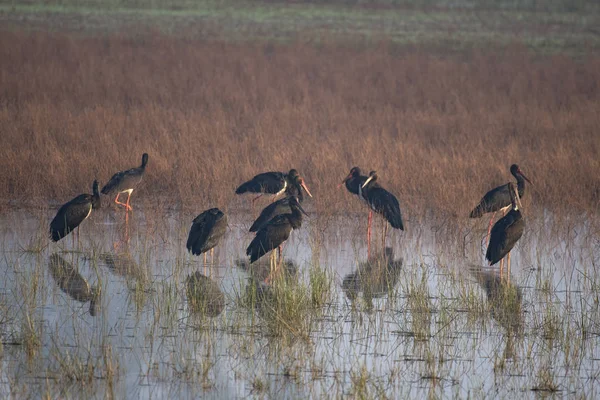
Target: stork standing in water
382	202
499	198
268	182
206	232
354	182
506	232
125	182
282	206
73	213
273	234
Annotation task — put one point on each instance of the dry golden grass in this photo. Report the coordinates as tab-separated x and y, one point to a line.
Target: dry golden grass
439	129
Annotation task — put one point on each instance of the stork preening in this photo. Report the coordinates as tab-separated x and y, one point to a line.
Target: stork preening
206	232
73	213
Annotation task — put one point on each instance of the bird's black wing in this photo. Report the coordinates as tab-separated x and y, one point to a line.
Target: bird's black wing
267	182
274	209
269	237
504	235
492	201
69	216
123	180
386	204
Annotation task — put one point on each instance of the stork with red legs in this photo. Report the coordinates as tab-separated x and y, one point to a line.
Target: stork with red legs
354	182
125	182
382	202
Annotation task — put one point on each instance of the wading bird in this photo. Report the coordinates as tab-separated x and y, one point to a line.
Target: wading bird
382	202
268	182
282	206
73	213
125	182
506	232
206	232
499	198
354	182
275	232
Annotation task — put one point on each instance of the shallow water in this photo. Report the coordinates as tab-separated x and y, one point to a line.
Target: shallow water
431	323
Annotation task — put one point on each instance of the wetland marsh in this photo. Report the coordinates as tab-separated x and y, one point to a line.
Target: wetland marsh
425	320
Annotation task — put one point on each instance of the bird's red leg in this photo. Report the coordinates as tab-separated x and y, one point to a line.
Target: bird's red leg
501	268
369	234
487	240
127	206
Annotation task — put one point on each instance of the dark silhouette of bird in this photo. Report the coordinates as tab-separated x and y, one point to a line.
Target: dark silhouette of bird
268	182
275	232
207	231
382	202
281	206
73	213
506	231
72	283
354	181
499	198
125	182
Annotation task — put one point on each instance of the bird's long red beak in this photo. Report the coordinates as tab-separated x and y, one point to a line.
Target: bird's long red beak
526	178
305	188
344	181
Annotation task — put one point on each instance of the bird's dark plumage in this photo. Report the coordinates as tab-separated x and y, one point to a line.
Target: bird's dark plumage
506	231
126	180
499	197
281	206
267	182
381	201
73	213
354	181
207	230
275	232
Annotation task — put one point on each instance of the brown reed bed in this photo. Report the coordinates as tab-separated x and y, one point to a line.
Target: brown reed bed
439	129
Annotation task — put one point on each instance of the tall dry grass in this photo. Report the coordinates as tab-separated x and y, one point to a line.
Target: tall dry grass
440	129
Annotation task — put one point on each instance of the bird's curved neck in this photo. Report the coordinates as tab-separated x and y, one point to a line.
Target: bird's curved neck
295	218
520	183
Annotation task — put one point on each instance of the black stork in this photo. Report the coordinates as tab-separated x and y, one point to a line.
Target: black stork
282	206
275	232
499	198
73	213
506	232
125	182
382	202
268	182
206	232
354	182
